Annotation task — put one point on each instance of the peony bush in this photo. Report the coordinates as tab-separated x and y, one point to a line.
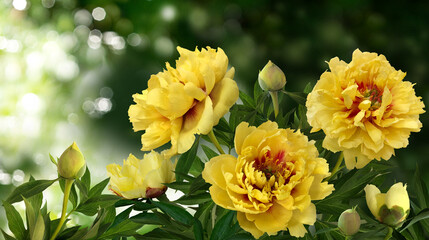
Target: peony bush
275	165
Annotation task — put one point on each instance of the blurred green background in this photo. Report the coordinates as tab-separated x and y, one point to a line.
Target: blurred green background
68	68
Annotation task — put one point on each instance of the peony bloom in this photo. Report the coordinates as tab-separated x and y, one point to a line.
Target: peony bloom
141	178
390	208
272	181
365	108
184	101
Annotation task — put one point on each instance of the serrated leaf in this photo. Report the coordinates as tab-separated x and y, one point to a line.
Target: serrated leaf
186	160
98	189
222	228
15	222
29	189
174	211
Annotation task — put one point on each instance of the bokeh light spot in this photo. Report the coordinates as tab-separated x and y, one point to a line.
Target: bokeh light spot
99	13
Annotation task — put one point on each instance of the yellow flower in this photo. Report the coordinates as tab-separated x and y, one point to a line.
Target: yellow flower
390	208
184	101
71	164
272	181
365	108
141	178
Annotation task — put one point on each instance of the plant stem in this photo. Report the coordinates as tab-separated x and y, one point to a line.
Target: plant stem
337	165
389	233
67	189
215	142
275	103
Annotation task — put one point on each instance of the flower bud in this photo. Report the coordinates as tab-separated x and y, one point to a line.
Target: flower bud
390	208
349	222
271	78
141	178
71	164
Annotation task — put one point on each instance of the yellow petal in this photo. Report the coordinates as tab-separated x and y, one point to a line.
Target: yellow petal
214	169
371	193
349	95
375	133
249	226
224	95
273	220
398	196
221	197
241	132
195	91
307	216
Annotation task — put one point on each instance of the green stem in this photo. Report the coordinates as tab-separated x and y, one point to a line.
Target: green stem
67	189
337	165
215	142
275	103
389	233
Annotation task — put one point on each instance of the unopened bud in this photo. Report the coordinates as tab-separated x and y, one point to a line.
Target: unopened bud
71	164
349	222
271	78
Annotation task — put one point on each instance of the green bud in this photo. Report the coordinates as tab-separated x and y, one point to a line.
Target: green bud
71	164
271	78
349	222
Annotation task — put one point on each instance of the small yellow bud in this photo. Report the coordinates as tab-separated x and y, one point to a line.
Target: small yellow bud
390	208
271	78
71	164
349	222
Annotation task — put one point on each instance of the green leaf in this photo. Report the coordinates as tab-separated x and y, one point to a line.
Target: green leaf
247	100
298	97
6	236
90	206
423	214
124	228
53	159
121	217
198	230
150	218
98	189
209	152
222	229
93	230
157	234
39	228
142	206
308	88
194	199
186	160
197	167
181	186
86	178
421	189
29	189
198	184
83	190
177	213
16	225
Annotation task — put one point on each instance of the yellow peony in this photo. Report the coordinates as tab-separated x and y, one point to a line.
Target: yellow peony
141	178
272	181
391	208
184	101
365	108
